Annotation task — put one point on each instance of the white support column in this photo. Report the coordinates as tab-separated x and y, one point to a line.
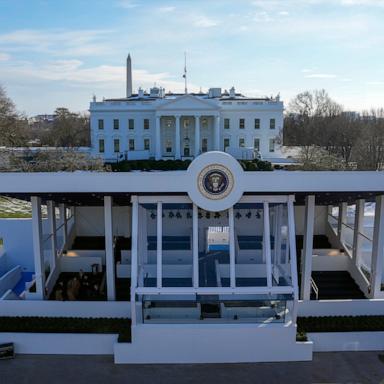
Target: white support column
292	252
134	255
197	136
177	138
38	249
158	138
109	248
217	133
232	254
195	246
279	213
377	248
267	244
306	256
52	232
159	251
63	224
342	219
358	228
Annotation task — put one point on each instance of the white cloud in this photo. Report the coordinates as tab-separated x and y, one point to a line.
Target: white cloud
320	76
57	41
166	9
284	13
375	83
4	56
203	21
128	4
101	77
365	3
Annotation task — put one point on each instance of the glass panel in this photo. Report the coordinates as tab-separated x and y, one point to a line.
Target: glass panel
251	270
223	309
281	267
213	248
177	258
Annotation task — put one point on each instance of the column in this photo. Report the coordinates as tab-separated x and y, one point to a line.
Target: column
158	139
38	251
195	245
358	228
197	136
292	253
267	244
63	224
52	232
177	138
232	255
342	219
134	255
377	248
279	213
109	248
306	256
159	248
217	133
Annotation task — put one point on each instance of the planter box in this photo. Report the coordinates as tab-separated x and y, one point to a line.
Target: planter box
346	341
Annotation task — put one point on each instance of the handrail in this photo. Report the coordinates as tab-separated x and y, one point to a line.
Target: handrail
351	227
315	288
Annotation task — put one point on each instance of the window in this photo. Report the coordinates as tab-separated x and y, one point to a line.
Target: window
271	145
101	145
131	124
226	123
101	123
256	144
116	145
241	142
241	123
115	123
168	146
204	145
146	123
146	145
131	144
272	123
226	143
257	123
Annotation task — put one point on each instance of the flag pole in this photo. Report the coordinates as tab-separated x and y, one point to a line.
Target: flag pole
185	73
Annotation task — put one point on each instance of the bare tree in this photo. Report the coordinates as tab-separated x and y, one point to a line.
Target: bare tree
69	130
12	124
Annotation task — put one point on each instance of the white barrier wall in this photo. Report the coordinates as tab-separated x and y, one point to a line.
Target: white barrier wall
18	252
10	279
83	260
121	309
212	343
90	221
61	343
347	341
362	307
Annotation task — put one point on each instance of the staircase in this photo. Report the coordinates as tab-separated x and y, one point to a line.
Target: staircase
335	285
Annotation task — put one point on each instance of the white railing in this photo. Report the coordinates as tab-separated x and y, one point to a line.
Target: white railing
315	288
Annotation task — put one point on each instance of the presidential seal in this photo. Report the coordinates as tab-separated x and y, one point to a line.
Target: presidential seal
215	182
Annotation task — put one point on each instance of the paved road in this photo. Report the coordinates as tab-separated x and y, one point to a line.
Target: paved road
336	367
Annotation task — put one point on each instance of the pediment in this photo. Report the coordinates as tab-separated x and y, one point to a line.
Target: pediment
188	102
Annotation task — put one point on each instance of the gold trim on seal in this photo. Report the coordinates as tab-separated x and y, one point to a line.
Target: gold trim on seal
210	168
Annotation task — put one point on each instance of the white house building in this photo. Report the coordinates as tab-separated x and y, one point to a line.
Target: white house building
162	125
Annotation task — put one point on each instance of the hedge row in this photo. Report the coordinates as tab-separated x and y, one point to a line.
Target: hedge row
340	324
179	165
67	325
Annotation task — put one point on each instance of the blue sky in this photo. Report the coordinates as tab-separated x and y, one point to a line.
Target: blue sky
58	53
